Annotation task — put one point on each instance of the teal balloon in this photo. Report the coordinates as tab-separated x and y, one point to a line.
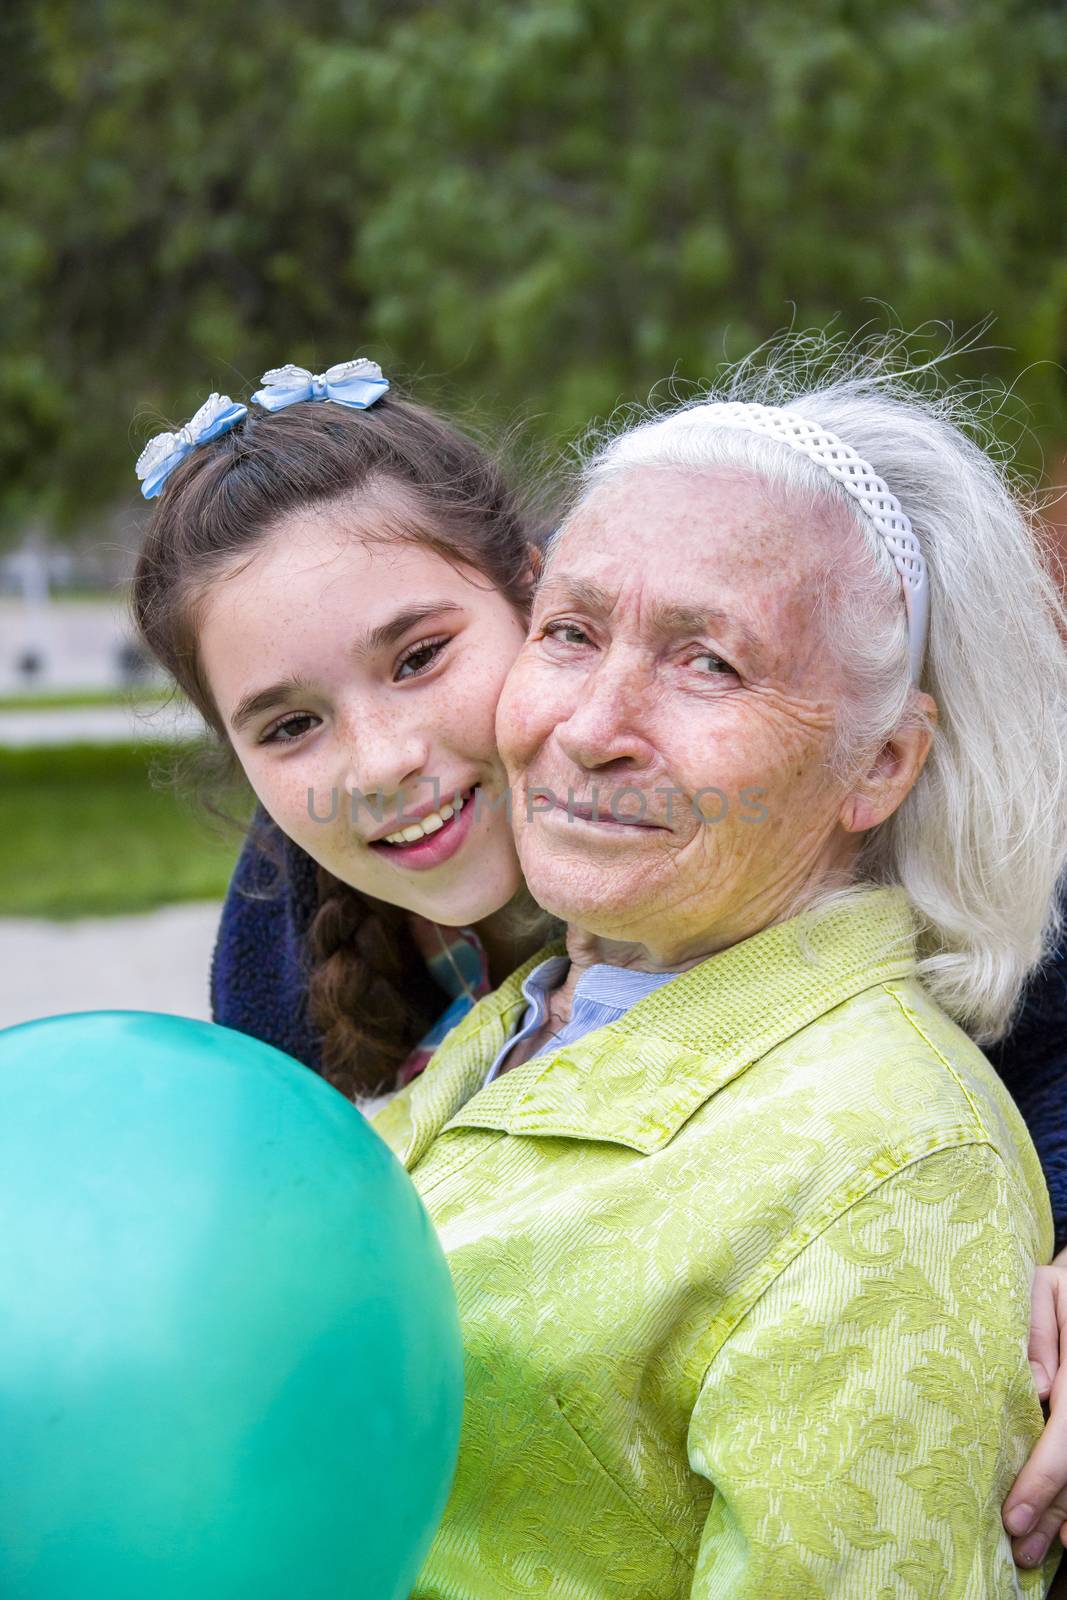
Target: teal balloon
230	1357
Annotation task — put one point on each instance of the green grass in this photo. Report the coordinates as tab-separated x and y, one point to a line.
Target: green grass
75	698
84	833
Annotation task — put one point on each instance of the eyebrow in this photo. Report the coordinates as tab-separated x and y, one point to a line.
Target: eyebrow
668	619
382	637
391	632
253	705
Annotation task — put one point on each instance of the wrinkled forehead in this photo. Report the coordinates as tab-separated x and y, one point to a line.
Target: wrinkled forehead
722	539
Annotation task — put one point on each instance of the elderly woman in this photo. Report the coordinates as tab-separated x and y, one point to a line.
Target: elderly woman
741	1221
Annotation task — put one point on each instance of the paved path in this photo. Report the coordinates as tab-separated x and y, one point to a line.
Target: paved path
156	962
97	725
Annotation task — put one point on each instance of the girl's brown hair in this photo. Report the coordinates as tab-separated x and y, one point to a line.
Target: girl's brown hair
370	996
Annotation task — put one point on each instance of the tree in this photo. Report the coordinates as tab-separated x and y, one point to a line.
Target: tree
533	208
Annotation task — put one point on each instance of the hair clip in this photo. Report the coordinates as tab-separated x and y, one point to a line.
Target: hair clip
357	384
161	455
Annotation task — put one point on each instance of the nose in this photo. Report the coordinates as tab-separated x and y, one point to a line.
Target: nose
383	754
606	729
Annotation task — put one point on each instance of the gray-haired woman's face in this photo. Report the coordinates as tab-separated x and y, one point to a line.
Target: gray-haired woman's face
674	678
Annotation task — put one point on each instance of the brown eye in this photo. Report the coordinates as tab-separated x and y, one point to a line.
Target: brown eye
289	730
420	658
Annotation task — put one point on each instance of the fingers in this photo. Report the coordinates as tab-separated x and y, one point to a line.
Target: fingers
1036	1508
1031	1548
1043	1350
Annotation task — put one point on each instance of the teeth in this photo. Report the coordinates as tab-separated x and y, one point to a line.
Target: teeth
430	824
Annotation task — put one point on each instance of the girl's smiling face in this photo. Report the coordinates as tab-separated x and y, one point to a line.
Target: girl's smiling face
357	677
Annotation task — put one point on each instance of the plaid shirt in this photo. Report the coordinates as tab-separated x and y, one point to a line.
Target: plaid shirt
458	965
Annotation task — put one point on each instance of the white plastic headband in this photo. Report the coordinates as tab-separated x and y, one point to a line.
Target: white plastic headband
862	483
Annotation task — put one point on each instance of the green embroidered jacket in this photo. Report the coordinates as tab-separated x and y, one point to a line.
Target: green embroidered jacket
744	1280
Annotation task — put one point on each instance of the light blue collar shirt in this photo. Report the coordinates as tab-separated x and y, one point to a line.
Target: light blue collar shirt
602	995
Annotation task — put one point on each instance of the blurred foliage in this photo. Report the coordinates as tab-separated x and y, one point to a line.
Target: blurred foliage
536	207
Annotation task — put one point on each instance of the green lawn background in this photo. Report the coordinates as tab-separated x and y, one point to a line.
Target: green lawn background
93	830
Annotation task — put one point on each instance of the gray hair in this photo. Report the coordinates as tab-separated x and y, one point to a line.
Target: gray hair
980	842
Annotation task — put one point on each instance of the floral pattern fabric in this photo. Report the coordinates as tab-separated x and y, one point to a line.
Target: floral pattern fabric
744	1284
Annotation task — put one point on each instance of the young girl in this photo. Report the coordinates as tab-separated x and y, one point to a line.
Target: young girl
340	588
373	567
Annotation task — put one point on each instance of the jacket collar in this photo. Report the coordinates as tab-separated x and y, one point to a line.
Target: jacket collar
638	1080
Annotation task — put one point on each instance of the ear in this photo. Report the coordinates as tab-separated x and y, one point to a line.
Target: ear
889	778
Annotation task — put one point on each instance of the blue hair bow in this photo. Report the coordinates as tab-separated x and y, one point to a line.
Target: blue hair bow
161	455
357	384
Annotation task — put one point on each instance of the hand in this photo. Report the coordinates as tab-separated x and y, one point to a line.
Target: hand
1035	1511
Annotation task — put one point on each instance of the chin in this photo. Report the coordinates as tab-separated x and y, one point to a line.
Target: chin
463	910
586	906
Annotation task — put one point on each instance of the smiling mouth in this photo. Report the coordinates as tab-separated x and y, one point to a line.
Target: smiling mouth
432	823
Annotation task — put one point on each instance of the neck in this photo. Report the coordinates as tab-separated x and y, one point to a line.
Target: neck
513	934
587	949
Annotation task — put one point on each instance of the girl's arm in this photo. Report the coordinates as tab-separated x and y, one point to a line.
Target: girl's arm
258	977
1032	1060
